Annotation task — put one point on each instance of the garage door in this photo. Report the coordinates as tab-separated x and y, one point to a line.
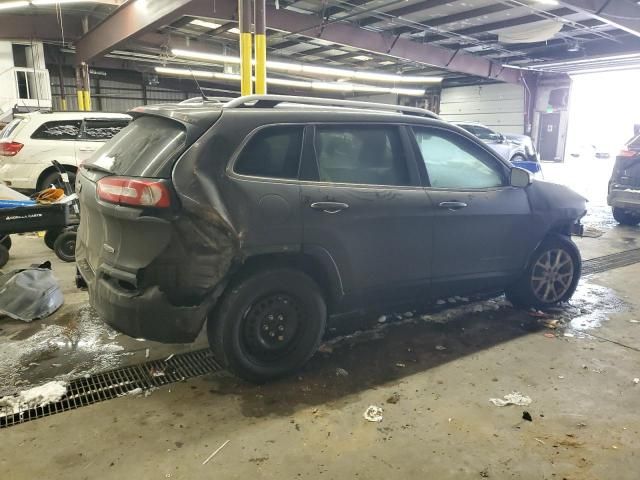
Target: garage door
499	106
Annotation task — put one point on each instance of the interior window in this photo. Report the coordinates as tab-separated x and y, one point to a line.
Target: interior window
366	155
60	130
454	162
102	129
273	152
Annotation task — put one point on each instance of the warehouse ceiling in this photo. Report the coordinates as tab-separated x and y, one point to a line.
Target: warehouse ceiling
463	36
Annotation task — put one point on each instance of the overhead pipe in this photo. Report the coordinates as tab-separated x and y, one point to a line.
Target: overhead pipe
260	46
244	12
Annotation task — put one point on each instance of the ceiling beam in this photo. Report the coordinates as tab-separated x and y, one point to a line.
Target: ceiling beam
127	22
622	14
37	27
133	18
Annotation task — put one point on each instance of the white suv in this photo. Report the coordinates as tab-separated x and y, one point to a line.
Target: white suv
31	141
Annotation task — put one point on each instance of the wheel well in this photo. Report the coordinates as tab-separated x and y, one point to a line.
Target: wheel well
51	169
298	261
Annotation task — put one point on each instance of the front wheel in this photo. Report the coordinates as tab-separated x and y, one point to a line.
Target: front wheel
625	218
551	277
268	325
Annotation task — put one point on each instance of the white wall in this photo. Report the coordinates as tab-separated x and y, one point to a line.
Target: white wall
499	106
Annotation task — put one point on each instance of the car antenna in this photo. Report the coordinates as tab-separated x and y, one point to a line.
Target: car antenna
204	97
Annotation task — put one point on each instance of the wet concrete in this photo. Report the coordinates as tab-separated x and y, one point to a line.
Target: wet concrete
433	375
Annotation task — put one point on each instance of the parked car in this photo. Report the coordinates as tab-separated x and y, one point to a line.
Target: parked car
261	219
624	185
516	150
31	141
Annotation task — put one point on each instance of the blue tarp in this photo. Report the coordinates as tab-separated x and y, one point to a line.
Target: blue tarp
16	203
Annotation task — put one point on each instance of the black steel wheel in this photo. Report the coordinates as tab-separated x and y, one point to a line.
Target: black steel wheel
267	325
551	277
6	241
65	246
50	237
4	255
55	179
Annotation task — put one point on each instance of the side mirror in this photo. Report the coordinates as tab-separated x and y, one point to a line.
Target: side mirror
520	177
502	138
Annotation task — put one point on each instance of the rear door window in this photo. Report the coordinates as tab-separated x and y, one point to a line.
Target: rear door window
273	152
102	129
145	148
370	155
58	130
454	162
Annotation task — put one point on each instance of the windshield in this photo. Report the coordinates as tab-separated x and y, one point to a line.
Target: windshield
482	133
146	148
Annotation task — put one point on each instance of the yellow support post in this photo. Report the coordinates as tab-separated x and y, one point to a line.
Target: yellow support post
261	47
87	100
63	104
81	100
246	83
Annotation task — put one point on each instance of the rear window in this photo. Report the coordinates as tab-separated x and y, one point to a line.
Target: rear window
8	130
58	130
146	148
102	129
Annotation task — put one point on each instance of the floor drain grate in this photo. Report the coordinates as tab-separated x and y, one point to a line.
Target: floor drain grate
609	262
120	381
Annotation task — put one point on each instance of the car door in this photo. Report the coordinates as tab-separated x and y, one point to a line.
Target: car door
483	225
364	209
96	131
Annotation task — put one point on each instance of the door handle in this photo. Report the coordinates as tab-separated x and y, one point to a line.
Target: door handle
329	207
452	205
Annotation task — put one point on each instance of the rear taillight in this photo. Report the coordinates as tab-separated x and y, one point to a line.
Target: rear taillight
134	192
10	149
627	153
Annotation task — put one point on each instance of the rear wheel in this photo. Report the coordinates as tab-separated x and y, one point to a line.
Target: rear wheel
551	277
65	246
624	217
268	325
55	179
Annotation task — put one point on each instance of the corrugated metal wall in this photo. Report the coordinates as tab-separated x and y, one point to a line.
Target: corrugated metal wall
499	106
112	95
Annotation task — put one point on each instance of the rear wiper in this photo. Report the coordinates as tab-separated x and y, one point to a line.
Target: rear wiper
97	168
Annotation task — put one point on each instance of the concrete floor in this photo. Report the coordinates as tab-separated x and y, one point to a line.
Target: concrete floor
438	422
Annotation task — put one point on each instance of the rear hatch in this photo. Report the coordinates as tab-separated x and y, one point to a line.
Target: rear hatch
626	171
128	205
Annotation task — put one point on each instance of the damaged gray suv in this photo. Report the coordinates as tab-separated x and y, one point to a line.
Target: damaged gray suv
265	215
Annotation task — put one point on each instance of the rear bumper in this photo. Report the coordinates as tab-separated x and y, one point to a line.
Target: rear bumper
142	314
629	199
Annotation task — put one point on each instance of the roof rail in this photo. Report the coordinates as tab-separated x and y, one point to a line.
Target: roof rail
269	101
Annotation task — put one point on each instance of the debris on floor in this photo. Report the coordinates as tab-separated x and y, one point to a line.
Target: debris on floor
527	416
636	380
513	398
440	347
373	414
341	372
394	398
30	294
324	348
400	365
49	392
215	452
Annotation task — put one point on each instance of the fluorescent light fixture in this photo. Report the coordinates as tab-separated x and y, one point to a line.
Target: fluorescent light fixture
53	2
362	58
547	2
315	85
234	30
387	62
183	72
205	24
9	5
291	67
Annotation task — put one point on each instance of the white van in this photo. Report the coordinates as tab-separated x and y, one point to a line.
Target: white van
31	141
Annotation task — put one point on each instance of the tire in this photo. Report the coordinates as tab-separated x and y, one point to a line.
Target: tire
4	255
6	241
518	158
625	218
260	310
54	178
531	289
65	246
50	237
